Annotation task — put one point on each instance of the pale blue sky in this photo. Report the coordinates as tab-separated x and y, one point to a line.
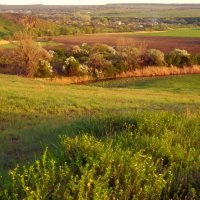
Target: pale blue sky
87	2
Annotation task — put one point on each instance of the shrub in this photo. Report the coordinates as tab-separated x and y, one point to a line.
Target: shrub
59	55
130	58
154	57
97	73
75	50
44	69
179	58
71	66
128	156
195	59
5	62
84	53
106	51
84	70
98	61
88	168
26	56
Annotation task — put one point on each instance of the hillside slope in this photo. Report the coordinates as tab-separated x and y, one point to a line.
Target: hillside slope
7	28
108	140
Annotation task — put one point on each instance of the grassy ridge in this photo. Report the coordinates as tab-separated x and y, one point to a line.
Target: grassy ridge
33	113
39	110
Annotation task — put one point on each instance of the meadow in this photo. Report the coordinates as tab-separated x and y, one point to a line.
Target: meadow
129	138
178	33
146	11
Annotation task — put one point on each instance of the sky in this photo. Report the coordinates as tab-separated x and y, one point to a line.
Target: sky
90	2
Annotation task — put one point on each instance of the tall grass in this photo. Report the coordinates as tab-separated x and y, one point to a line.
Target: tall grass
160	71
145	72
137	156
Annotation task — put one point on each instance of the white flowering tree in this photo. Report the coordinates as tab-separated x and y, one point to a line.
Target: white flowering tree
71	66
44	69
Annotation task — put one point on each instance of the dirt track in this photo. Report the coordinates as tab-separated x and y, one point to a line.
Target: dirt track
164	44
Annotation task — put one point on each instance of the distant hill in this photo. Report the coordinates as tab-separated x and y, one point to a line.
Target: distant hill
111	10
7	28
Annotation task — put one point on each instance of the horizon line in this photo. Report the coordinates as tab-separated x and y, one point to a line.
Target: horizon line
99	4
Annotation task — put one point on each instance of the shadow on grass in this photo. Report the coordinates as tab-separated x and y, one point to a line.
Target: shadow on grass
23	139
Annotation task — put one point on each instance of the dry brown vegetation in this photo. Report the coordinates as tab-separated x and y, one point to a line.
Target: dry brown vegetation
145	72
160	71
26	56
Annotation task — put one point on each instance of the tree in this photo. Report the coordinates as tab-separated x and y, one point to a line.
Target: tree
26	55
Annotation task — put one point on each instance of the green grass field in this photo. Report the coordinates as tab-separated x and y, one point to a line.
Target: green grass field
145	11
31	110
34	113
183	32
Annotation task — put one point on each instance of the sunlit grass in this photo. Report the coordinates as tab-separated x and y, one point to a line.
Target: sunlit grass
183	32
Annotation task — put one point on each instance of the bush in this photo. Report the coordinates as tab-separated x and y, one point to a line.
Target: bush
84	70
101	67
26	55
71	67
130	58
179	58
98	62
75	50
59	55
84	53
154	57
195	59
131	156
106	51
44	69
89	169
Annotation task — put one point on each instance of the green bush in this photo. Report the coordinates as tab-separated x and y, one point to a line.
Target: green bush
44	69
106	51
195	59
137	156
89	169
154	57
85	70
130	58
59	55
99	64
179	58
71	67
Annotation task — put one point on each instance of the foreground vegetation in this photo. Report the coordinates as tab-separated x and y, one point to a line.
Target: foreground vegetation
132	152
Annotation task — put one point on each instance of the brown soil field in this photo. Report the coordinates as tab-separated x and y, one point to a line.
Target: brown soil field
164	44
